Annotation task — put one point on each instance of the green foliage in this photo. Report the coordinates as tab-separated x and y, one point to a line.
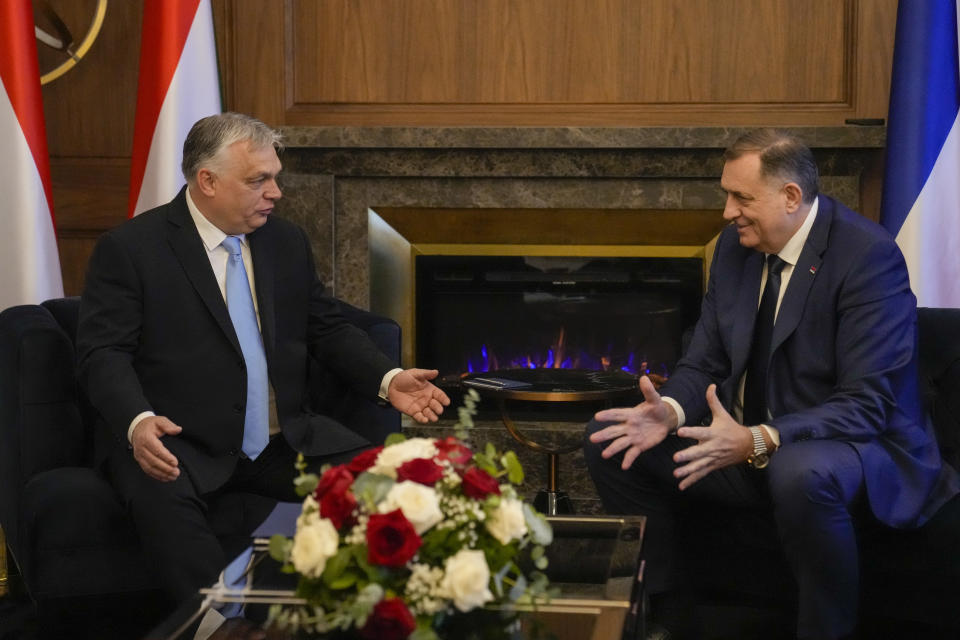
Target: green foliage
280	547
394	438
371	488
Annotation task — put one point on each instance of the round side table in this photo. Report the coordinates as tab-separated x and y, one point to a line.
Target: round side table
550	385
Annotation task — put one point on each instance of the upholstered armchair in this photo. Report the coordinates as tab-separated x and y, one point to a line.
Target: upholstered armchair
65	529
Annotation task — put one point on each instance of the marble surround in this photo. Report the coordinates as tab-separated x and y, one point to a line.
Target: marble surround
334	175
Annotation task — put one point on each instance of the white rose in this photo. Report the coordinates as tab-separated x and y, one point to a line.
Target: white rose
466	580
313	545
396	454
419	504
507	523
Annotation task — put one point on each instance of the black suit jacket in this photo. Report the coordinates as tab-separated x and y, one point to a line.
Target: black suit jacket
155	335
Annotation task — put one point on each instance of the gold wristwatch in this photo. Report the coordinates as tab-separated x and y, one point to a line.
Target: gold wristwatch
760	457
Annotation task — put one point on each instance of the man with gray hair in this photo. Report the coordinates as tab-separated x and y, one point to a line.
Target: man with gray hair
803	365
197	322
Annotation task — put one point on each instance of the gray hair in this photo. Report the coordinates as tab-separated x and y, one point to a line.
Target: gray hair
781	155
211	135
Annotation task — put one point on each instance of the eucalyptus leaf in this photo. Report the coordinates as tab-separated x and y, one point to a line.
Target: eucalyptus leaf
519	587
336	566
394	438
540	530
279	547
305	484
372	487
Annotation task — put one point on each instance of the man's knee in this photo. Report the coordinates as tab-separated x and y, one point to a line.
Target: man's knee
815	473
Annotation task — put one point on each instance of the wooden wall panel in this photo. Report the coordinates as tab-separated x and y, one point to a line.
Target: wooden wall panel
563	62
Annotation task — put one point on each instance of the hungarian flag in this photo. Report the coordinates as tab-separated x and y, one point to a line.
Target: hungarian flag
29	264
921	192
178	85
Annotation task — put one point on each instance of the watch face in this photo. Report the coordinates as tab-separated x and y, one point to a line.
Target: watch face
760	460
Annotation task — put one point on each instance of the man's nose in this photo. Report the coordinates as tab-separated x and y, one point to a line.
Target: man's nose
730	209
273	191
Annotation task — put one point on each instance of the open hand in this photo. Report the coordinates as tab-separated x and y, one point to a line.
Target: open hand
725	442
638	428
412	393
154	458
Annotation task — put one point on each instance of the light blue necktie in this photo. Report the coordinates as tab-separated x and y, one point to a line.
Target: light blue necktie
256	426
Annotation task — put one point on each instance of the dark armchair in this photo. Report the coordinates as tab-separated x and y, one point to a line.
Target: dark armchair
65	528
910	580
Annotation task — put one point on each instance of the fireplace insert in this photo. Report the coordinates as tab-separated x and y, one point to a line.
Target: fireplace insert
486	313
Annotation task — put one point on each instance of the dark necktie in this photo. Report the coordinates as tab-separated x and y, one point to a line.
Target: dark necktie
755	386
240	305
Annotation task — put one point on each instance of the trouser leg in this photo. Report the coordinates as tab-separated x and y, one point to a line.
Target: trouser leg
171	522
649	488
814	485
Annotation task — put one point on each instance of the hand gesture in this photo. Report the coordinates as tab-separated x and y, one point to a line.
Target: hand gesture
154	458
725	442
638	428
412	393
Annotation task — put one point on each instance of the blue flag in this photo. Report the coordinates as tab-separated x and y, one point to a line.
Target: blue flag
921	192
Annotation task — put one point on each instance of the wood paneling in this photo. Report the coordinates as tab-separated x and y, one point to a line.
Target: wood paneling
562	62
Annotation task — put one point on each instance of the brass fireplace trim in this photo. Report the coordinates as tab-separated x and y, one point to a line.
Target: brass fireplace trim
398	235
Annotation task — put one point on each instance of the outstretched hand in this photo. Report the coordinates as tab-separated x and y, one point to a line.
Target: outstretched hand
412	393
638	428
725	442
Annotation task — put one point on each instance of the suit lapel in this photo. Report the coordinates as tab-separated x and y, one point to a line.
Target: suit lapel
746	311
804	273
186	244
262	250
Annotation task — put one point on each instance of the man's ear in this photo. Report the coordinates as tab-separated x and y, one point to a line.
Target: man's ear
207	182
794	196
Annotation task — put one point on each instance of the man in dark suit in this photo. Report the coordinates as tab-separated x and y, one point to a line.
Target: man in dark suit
197	323
811	400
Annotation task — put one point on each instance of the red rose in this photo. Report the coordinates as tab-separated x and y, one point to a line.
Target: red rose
337	479
338	506
453	450
391	539
363	461
478	484
422	470
390	620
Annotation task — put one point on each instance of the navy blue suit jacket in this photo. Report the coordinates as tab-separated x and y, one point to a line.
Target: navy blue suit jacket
155	334
843	361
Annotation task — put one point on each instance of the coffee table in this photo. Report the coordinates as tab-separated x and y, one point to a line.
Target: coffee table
595	562
550	385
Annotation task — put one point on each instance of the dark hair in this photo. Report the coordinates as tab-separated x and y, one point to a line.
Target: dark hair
211	135
781	155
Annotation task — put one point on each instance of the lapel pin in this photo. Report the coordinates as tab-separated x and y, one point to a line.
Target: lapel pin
813	270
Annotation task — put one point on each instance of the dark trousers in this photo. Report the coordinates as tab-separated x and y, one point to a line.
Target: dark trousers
171	517
810	488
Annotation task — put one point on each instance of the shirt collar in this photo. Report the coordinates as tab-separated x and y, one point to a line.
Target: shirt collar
209	233
791	251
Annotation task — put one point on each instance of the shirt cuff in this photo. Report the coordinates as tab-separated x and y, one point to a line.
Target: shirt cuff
135	422
773	433
385	383
681	416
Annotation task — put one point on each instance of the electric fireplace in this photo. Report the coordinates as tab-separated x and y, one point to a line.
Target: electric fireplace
486	313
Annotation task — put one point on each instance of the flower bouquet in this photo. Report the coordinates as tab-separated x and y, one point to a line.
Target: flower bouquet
407	538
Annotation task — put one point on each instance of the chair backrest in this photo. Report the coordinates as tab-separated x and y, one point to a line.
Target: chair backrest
41	425
939	331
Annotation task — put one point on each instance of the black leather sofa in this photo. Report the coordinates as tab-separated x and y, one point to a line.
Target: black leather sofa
66	531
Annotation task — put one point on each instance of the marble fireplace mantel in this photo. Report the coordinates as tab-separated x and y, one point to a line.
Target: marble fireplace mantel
334	176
